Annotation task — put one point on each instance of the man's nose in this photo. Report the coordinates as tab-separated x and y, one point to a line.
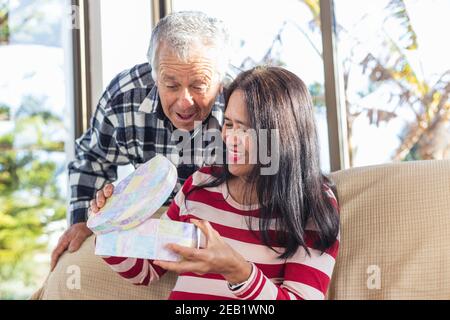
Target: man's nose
186	100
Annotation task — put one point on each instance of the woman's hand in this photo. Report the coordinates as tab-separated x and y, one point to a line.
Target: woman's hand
101	196
218	257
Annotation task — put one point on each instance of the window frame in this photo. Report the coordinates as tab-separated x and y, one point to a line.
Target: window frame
88	76
81	61
334	90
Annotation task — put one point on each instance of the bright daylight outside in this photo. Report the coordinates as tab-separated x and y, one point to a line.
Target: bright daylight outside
393	57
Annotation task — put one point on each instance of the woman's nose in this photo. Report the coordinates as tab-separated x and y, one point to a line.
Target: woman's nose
232	137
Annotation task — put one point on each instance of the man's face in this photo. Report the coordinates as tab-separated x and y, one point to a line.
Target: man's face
187	89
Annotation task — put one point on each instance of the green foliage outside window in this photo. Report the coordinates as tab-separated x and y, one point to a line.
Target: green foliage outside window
29	199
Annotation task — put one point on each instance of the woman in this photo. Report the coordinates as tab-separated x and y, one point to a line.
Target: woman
268	236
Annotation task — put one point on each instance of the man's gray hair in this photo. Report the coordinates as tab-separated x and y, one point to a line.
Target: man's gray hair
181	30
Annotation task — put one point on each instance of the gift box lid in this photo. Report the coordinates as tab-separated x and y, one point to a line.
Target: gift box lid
137	197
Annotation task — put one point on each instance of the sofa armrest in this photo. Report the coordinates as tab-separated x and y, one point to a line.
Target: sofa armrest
395	232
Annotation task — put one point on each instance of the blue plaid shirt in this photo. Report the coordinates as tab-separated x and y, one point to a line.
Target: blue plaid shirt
128	127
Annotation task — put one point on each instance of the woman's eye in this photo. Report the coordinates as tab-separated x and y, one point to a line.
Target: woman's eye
244	131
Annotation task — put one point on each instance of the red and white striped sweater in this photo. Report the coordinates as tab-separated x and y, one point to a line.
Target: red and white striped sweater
298	277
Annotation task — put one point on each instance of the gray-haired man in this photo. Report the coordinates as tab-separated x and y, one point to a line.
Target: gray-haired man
140	109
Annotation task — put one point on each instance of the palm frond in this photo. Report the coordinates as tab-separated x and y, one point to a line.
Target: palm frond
398	11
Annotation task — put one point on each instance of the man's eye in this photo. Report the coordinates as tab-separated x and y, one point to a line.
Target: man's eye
171	86
200	87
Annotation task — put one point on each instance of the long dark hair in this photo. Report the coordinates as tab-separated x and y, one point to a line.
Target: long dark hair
277	99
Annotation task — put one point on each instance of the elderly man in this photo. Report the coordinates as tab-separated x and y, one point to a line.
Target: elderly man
181	85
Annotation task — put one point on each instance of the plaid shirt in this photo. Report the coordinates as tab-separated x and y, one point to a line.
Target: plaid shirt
129	127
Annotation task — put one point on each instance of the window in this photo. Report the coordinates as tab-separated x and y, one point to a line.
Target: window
34	129
285	33
394	57
123	44
115	46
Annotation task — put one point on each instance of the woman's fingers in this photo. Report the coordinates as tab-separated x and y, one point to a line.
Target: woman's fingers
209	232
101	196
203	226
108	190
181	266
93	206
187	252
194	260
100	199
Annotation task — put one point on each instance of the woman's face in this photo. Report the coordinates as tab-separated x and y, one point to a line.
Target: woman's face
239	137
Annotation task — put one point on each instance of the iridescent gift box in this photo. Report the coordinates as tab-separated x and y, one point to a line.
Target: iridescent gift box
124	227
148	240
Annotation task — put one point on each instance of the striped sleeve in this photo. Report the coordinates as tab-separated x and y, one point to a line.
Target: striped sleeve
137	271
305	278
143	271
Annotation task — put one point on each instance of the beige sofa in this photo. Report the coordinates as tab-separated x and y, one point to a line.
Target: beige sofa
395	242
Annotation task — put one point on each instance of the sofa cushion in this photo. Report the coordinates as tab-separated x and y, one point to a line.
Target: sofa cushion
395	241
81	275
395	232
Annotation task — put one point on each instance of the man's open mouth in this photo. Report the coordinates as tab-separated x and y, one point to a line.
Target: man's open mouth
186	116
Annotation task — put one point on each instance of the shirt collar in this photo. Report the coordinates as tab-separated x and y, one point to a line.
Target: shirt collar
151	101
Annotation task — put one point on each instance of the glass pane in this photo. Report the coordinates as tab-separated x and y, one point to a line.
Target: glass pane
394	56
134	32
34	128
125	31
284	33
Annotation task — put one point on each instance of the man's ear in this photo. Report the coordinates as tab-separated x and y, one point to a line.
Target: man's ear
155	75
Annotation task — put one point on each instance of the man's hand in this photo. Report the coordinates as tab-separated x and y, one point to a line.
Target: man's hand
74	237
